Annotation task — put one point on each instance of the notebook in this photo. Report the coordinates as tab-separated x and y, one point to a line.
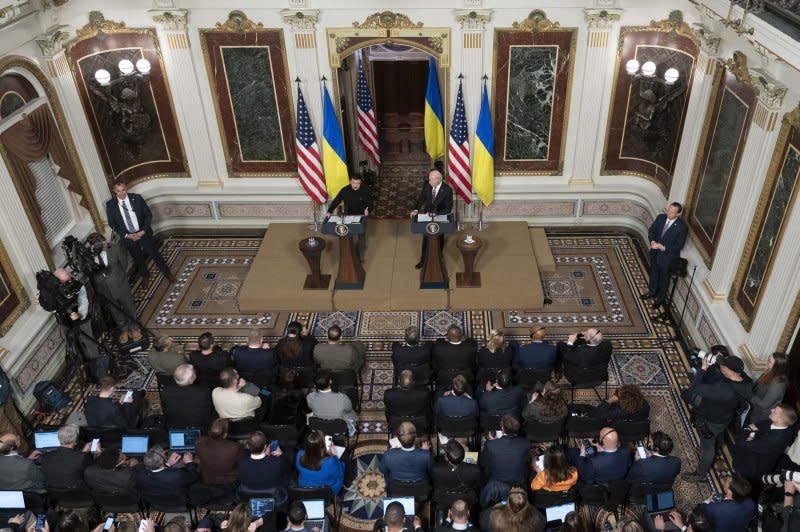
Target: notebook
555	515
135	445
660	502
315	515
12	499
407	502
183	440
45	441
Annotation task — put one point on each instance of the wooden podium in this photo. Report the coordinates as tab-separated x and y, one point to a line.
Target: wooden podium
434	272
351	271
312	249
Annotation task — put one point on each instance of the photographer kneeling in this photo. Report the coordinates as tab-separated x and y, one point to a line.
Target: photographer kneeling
714	407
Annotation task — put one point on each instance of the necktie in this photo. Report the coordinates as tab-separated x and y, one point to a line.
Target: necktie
126	213
435	191
667	225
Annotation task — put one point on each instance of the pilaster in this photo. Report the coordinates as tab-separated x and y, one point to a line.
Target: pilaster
194	129
306	60
603	25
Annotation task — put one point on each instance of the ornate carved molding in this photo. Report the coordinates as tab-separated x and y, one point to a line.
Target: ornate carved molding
52	42
601	19
387	20
172	20
305	20
793	118
709	41
770	91
473	20
738	66
537	21
674	23
98	24
238	23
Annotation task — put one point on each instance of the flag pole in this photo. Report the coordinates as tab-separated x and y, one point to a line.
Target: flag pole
315	207
315	226
481	224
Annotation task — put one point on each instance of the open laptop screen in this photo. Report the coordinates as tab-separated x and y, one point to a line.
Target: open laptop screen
315	509
133	445
555	515
259	507
45	440
407	502
660	502
183	440
12	499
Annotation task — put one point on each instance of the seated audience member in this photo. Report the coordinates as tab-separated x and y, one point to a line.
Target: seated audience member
18	473
208	360
296	349
516	515
502	396
230	400
411	352
696	521
103	410
407	462
394	520
629	525
288	400
335	355
760	446
456	402
241	519
318	466
557	474
166	355
457	518
218	455
454	353
111	472
574	521
264	468
548	406
659	467
161	475
769	388
255	361
538	354
607	463
327	404
453	478
736	510
507	459
496	354
625	404
585	356
407	399
186	403
296	517
64	467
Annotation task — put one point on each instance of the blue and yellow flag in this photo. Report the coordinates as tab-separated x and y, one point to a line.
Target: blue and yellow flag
483	159
434	119
334	160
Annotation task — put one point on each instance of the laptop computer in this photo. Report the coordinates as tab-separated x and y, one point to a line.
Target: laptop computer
555	515
407	502
135	445
660	502
260	507
471	457
46	441
315	515
13	500
183	440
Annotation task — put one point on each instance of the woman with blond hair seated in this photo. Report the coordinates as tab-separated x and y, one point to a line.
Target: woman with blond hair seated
496	354
627	403
548	406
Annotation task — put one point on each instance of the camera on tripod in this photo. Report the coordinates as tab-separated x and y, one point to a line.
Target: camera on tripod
777	479
81	255
710	357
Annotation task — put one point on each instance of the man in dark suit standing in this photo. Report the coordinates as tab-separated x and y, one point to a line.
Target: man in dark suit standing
357	202
436	198
667	235
761	445
130	217
186	404
659	467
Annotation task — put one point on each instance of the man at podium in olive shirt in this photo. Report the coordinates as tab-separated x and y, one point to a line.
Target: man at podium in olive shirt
357	201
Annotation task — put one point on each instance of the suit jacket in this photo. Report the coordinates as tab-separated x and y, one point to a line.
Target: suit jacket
577	357
106	412
442	204
603	467
730	515
168	481
538	355
400	464
18	473
139	208
64	467
673	240
338	356
218	460
331	405
256	364
655	470
306	358
410	355
209	366
455	406
118	480
760	455
507	400
462	481
113	279
165	362
413	402
506	459
448	356
186	406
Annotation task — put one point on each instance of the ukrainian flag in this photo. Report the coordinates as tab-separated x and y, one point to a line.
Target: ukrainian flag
483	159
434	120
334	160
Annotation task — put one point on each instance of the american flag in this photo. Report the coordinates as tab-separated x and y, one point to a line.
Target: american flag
309	164
458	159
367	123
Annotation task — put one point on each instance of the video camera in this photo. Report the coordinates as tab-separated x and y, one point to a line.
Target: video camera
777	479
80	255
698	356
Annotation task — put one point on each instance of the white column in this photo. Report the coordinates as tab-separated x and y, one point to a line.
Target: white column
306	61
192	124
600	44
705	67
753	166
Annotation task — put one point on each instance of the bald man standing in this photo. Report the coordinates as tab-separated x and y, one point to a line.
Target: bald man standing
604	461
436	198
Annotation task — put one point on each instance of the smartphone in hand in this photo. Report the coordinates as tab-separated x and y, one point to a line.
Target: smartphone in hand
40	521
109	523
95	443
273	446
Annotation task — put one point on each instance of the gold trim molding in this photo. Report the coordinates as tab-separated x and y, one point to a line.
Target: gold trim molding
99	24
387	20
15	287
750	360
789	328
716	296
672	24
537	21
238	23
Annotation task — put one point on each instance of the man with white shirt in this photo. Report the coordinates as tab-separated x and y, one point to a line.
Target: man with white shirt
130	217
761	445
667	235
436	198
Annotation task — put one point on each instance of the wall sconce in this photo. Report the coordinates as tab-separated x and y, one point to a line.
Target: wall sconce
123	94
654	93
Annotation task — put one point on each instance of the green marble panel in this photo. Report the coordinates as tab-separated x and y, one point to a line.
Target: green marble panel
782	193
531	84
249	75
719	170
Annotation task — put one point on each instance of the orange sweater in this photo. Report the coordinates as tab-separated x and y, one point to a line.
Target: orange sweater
540	481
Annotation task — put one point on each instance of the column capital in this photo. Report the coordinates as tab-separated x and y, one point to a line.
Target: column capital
52	42
473	19
601	19
770	91
170	19
301	19
709	41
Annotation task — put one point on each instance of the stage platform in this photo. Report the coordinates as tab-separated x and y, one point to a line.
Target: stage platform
510	277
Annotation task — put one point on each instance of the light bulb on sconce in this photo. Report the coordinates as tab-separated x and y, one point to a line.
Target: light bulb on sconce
143	66
671	76
632	67
102	76
125	67
649	69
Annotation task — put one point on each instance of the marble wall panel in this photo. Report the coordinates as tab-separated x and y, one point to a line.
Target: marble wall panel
707	333
52	346
183	210
647	117
531	208
775	206
617	208
533	73
730	111
261	210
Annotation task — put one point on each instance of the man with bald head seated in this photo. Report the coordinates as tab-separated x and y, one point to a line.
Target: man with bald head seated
186	403
585	355
407	399
539	354
608	462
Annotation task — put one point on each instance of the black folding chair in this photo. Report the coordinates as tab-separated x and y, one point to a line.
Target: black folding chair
630	431
527	378
117	503
421	423
35	502
419	489
586	377
348	382
167	502
539	432
213	497
458	427
422	374
543	499
332	427
241	429
71	497
490	422
583	427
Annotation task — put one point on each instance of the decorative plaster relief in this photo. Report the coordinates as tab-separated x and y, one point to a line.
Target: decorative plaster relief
49	348
707	333
531	208
189	210
261	210
617	208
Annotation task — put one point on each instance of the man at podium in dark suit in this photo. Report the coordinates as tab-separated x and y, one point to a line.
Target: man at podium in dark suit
436	198
357	202
667	235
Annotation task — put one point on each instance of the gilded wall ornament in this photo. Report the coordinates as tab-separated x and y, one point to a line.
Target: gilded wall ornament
172	20
97	25
301	20
473	20
537	21
387	20
601	19
674	23
770	91
52	42
738	67
238	23
793	118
